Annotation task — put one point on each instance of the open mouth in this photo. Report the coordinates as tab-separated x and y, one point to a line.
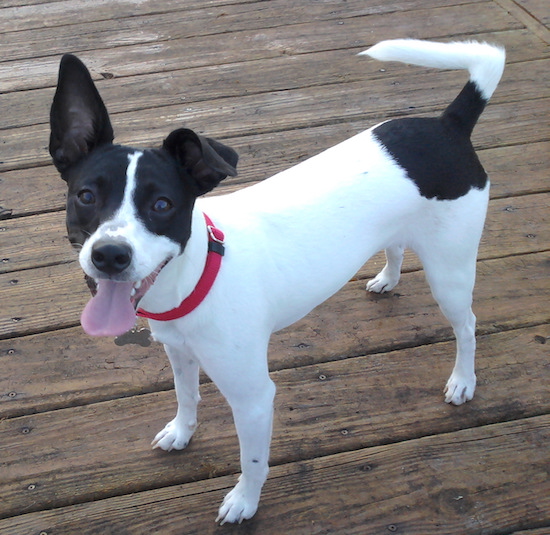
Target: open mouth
111	310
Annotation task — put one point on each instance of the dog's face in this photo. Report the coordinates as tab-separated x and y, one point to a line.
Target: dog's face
128	210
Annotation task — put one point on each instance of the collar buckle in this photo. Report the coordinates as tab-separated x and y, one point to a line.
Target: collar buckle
215	234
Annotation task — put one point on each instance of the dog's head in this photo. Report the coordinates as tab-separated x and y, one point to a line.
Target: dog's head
128	210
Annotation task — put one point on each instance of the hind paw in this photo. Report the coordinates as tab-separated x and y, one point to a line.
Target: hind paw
382	283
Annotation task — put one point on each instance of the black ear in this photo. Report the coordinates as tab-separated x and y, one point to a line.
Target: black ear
206	160
78	118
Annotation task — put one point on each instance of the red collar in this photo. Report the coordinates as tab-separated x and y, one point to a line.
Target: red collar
211	268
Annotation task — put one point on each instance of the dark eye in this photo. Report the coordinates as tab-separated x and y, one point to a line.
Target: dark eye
86	197
162	205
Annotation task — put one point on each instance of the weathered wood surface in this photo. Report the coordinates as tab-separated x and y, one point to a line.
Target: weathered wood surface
267	40
460	482
301	108
67	368
362	442
321	409
513	227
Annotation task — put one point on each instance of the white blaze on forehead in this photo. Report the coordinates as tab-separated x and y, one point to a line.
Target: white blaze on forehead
131	176
126	214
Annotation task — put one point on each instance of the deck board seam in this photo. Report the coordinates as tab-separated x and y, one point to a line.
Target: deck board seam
167	386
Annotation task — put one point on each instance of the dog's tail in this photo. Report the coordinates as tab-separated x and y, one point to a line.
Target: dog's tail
484	62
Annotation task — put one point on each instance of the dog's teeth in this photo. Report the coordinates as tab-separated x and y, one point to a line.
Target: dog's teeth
137	285
133	292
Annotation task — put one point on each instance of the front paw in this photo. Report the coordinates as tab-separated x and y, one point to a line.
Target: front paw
238	505
459	389
174	436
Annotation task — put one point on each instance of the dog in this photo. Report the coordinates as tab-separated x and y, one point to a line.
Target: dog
216	276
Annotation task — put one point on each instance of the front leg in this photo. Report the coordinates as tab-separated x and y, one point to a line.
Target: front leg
242	376
178	432
253	414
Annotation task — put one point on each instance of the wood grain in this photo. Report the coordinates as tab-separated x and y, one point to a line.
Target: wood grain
320	410
363	442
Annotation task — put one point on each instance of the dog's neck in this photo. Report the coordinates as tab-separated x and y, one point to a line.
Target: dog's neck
186	269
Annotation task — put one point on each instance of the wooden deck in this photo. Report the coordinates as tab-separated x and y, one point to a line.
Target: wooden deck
363	443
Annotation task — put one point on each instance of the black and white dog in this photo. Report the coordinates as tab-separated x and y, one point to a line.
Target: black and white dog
217	276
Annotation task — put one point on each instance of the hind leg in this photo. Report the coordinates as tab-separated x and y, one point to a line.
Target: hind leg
388	278
451	280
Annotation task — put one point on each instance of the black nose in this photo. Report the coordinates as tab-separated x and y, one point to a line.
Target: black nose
111	258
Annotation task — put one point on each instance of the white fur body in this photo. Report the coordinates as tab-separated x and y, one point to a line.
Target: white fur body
298	237
287	253
291	242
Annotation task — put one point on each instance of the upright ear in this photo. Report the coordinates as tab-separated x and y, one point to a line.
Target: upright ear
206	160
78	118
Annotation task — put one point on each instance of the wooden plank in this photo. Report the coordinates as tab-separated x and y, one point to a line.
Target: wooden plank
67	367
514	170
541	531
120	24
230	47
59	295
510	228
35	15
501	124
528	19
538	9
385	323
39	240
186	86
514	226
74	455
475	481
17	3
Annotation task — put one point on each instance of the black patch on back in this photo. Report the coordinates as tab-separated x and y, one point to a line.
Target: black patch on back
437	153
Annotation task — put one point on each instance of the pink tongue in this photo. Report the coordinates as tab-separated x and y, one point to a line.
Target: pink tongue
110	312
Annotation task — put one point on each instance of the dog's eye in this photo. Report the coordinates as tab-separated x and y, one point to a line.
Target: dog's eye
86	197
162	205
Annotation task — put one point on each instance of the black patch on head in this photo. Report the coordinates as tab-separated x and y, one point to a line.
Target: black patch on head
100	176
164	201
168	179
437	153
